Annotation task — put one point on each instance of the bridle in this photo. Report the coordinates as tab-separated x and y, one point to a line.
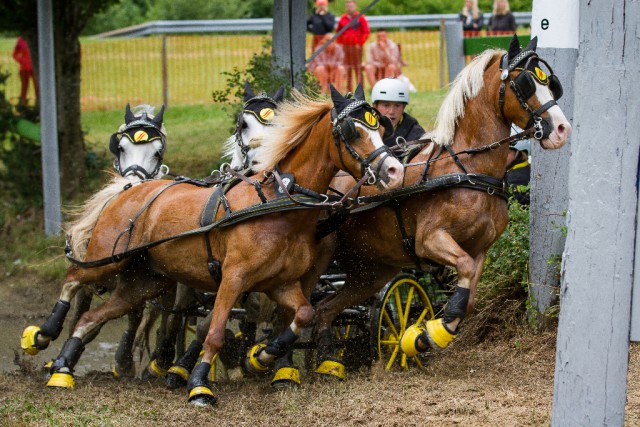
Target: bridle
344	129
244	149
136	169
524	87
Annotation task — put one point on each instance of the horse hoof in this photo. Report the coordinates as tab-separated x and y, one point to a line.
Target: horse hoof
121	372
153	371
331	368
438	335
286	378
202	396
408	341
177	377
252	364
61	380
29	340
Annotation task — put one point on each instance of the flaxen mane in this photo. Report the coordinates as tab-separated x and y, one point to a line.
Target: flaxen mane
79	230
466	85
291	126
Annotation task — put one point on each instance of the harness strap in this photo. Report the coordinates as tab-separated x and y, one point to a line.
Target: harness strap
408	242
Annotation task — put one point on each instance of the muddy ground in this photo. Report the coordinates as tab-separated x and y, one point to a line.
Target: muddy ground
502	381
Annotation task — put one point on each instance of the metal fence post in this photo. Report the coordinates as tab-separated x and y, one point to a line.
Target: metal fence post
455	48
48	120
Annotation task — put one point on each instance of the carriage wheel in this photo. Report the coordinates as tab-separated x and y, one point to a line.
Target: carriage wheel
404	303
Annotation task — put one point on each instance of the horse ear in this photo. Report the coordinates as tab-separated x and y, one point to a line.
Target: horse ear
359	93
158	118
533	44
128	115
279	95
514	48
248	92
335	95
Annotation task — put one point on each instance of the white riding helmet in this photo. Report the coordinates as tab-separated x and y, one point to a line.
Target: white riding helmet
390	89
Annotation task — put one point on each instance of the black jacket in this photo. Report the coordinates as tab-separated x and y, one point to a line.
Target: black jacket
502	22
408	128
518	176
321	24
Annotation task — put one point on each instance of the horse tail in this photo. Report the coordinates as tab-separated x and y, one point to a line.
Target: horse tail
80	229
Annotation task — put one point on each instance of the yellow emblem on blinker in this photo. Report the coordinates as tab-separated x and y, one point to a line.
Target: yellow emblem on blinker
540	74
140	136
370	118
266	114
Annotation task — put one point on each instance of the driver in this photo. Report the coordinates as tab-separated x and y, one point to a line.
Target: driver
391	96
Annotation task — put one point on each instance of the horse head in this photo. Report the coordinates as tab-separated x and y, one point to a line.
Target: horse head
528	93
140	143
353	121
254	120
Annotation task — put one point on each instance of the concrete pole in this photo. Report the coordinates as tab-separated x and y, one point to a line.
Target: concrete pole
593	335
48	120
289	39
557	32
455	48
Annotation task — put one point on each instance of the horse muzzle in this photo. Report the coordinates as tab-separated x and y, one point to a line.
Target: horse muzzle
391	173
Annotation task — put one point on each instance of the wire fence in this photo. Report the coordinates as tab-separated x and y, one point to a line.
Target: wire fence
117	71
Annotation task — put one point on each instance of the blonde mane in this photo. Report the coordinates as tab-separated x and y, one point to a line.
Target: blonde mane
466	85
79	230
291	126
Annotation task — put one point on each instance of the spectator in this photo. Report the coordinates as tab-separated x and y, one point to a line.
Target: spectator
320	23
502	20
519	171
23	57
328	65
391	97
471	16
383	58
352	41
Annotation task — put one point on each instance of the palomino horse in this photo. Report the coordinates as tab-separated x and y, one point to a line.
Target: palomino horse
452	225
254	121
139	146
255	251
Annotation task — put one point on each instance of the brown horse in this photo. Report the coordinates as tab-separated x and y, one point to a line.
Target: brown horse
266	253
452	226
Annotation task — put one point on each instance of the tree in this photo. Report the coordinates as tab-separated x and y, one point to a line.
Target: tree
69	19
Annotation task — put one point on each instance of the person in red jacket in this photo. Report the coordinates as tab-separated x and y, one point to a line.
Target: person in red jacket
23	57
352	41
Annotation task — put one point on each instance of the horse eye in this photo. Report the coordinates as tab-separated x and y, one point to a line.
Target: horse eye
244	125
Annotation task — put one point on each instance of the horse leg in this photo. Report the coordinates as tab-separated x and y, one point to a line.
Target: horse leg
362	282
162	356
438	333
125	366
178	374
123	300
198	386
36	338
291	298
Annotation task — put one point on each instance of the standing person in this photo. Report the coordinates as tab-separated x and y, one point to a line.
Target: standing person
328	65
23	57
383	58
391	97
502	20
471	16
352	41
320	23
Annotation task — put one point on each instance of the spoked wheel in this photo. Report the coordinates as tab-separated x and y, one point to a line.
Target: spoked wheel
404	302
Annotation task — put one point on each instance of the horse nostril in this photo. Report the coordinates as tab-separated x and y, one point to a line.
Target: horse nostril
392	171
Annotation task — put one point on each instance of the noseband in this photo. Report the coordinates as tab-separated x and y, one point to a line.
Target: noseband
344	129
524	87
